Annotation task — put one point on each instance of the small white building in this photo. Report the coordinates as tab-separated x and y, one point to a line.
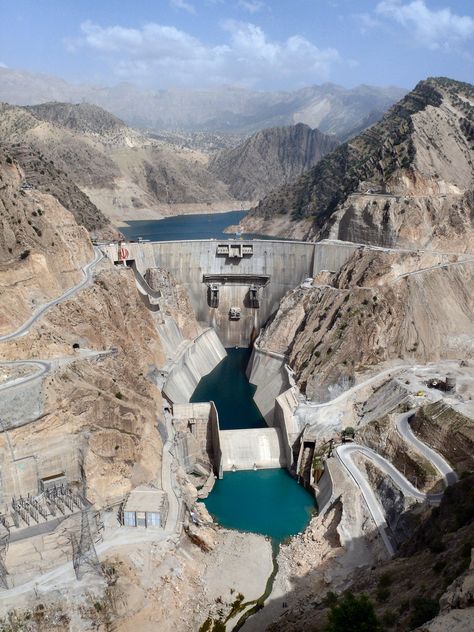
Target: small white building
147	507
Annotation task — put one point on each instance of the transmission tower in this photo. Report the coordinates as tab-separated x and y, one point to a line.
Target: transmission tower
3	553
84	555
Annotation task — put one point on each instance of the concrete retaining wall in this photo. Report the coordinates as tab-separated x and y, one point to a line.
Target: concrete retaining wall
203	440
245	449
196	359
284	419
324	488
266	370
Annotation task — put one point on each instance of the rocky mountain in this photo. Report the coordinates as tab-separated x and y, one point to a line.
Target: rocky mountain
331	108
269	158
119	169
83	117
377	308
407	179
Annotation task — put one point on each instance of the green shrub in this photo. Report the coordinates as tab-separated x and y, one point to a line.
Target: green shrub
383	593
352	614
423	609
389	618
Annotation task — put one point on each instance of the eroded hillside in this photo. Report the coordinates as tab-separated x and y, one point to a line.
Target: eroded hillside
380	306
407	180
120	170
270	158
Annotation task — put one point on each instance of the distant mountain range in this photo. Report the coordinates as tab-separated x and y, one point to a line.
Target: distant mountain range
126	173
331	108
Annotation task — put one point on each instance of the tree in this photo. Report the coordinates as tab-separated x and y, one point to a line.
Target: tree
352	614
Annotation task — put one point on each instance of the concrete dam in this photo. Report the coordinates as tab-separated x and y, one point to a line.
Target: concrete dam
234	287
250	276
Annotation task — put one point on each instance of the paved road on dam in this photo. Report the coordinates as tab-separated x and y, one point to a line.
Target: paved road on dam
87	271
443	467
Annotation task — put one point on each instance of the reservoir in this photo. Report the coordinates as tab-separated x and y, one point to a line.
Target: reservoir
182	227
268	502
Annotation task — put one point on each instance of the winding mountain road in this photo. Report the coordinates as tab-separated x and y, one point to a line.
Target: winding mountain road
345	454
438	462
87	271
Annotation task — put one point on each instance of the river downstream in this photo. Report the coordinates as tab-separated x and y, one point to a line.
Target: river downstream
268	502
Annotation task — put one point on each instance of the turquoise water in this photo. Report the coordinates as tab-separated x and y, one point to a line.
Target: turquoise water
202	226
227	386
269	502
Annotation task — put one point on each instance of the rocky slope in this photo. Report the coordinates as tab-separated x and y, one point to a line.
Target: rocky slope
122	171
432	575
106	405
270	158
406	180
376	308
83	117
329	107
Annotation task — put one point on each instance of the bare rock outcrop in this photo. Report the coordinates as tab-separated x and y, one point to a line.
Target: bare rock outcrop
379	306
406	180
270	158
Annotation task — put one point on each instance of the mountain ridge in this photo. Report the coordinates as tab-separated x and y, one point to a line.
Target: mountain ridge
421	149
330	108
270	157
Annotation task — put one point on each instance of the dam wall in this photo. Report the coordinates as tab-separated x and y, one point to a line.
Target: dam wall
284	419
266	370
196	359
271	267
259	448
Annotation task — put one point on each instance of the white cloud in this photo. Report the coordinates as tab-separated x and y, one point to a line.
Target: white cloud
182	4
2	65
366	21
436	29
252	6
165	56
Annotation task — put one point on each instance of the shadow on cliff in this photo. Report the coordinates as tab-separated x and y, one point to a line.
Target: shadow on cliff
405	590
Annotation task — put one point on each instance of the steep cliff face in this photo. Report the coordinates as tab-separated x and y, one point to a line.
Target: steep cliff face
407	180
269	159
96	401
378	307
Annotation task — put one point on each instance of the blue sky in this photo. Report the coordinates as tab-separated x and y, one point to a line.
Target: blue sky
263	44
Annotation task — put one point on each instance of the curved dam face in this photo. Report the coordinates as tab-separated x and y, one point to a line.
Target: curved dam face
235	286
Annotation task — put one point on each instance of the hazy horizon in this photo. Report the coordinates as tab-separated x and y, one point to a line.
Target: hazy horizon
256	44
